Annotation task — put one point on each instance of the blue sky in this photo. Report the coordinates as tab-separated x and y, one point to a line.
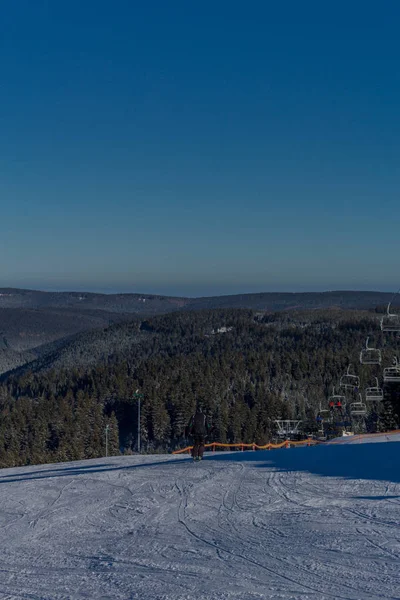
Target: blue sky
199	148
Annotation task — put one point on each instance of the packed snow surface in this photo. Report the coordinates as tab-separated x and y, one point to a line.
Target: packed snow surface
391	436
301	523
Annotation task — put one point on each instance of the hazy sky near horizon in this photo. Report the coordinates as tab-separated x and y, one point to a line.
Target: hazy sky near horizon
199	148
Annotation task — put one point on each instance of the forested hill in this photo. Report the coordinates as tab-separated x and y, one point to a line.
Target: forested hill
248	368
30	321
277	301
156	304
26	333
140	336
82	301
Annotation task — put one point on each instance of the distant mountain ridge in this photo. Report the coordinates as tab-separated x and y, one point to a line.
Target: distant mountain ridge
119	303
147	304
277	301
33	323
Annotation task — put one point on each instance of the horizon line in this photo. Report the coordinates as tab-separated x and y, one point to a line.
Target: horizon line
181	297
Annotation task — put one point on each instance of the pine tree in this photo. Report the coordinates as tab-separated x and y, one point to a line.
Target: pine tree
389	420
113	437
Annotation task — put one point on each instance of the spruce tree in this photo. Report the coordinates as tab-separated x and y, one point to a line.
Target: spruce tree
389	420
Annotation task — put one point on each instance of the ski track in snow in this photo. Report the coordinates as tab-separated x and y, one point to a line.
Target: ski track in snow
240	525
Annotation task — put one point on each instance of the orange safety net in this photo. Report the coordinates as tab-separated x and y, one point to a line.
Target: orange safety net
254	446
285	444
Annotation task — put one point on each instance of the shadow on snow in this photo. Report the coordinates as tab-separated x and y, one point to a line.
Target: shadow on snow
353	461
81	470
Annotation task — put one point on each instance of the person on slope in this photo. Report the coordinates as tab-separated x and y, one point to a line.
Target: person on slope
198	428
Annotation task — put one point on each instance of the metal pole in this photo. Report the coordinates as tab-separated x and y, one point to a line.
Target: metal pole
107	427
138	395
138	427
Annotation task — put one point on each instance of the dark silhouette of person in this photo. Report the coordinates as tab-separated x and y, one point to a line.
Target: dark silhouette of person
339	407
198	428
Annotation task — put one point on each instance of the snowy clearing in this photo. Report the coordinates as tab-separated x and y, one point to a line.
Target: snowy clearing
305	523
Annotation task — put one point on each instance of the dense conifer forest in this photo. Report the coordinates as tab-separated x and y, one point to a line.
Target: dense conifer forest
247	368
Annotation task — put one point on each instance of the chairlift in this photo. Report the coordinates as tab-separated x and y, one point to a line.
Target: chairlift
374	393
390	321
348	381
370	356
392	374
287	427
337	399
324	412
358	408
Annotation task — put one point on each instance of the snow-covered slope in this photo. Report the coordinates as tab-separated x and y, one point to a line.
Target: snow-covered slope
391	436
305	523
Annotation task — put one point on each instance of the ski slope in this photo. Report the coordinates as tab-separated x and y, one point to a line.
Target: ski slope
307	523
391	436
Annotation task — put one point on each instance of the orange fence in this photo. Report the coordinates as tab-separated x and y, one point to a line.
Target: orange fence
285	444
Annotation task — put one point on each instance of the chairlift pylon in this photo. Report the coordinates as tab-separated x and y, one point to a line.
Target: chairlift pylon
287	427
370	356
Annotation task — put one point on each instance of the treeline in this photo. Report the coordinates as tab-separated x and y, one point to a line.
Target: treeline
258	368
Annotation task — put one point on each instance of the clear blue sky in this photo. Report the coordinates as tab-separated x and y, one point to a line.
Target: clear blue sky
199	148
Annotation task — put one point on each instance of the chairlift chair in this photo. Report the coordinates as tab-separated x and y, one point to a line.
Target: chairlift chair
348	381
324	412
374	393
358	408
370	356
392	374
337	398
390	321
